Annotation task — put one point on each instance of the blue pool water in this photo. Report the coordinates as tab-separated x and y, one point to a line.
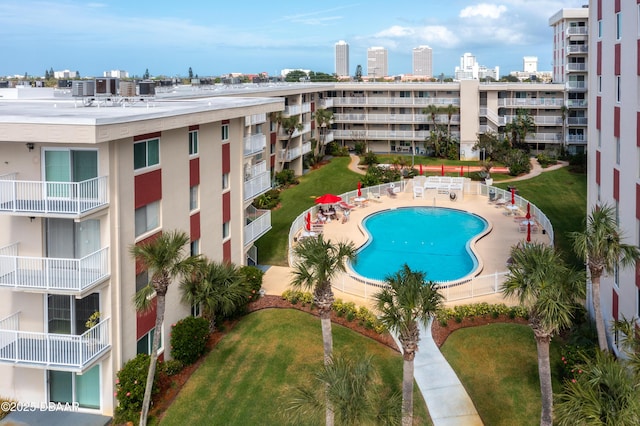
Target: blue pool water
430	239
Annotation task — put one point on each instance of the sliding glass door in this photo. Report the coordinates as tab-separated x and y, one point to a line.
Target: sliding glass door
67	165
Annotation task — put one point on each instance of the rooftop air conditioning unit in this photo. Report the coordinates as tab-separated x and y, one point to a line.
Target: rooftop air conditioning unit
83	88
147	88
127	89
106	86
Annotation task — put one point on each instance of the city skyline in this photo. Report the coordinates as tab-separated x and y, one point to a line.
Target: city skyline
219	39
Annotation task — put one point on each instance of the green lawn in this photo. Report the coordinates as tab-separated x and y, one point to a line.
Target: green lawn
244	380
562	196
334	178
497	364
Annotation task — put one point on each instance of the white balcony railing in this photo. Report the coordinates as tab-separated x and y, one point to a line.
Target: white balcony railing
251	120
576	138
538	120
577	31
328	137
42	198
52	351
577	121
254	144
370	100
531	102
576	67
258	223
577	48
257	185
418	135
576	85
306	107
577	103
52	275
326	103
306	148
291	154
395	118
543	137
292	110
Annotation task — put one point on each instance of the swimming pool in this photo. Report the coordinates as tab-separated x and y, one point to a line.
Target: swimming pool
430	239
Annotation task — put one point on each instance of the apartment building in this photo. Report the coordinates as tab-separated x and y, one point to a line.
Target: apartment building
342	59
377	62
614	140
570	62
82	181
422	61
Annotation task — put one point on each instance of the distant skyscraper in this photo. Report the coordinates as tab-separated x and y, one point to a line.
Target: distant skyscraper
422	61
342	58
377	62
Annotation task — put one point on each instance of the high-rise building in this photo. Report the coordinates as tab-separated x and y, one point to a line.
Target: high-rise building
377	62
530	64
612	177
423	61
470	69
342	58
570	54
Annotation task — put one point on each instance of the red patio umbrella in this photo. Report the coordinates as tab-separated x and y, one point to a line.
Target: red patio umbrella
359	189
528	222
328	199
442	170
461	171
528	211
420	169
307	221
513	195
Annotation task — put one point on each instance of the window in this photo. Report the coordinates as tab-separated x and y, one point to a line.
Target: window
618	89
146	153
616	275
225	230
195	247
193	142
618	25
193	197
618	151
638	303
600	29
225	181
147	218
225	132
146	342
142	279
599	84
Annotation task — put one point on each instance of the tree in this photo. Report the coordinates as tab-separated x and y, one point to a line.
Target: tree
355	393
46	74
165	259
358	75
563	111
146	74
218	287
323	117
317	262
296	76
549	290
603	392
450	110
518	129
600	246
406	302
190	73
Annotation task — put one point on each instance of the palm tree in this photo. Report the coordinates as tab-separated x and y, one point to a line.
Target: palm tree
290	125
317	262
165	259
355	393
549	291
604	392
407	302
218	287
600	246
450	110
323	117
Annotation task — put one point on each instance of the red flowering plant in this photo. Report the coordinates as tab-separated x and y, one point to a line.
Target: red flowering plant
129	389
253	277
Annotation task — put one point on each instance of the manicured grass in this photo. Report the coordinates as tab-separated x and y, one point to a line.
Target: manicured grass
244	380
334	178
498	366
562	196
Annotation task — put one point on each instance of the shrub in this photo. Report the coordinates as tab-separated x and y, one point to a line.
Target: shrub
253	277
578	163
370	159
518	162
268	200
546	160
360	147
333	148
189	339
130	385
172	367
458	313
286	177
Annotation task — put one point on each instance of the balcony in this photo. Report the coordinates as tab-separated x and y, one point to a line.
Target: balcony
538	120
326	103
306	107
575	66
576	86
257	181
577	139
306	128
375	101
576	103
306	148
258	223
577	121
544	137
328	137
255	119
63	352
577	49
531	102
573	31
52	199
290	110
52	275
290	154
418	135
254	144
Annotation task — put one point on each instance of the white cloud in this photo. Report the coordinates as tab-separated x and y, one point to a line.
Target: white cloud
483	10
396	31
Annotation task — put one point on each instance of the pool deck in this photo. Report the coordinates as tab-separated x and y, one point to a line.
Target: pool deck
447	400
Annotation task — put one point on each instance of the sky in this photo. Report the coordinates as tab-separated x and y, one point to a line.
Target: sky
215	38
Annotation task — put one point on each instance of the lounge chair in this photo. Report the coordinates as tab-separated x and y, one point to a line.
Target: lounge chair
374	197
391	193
